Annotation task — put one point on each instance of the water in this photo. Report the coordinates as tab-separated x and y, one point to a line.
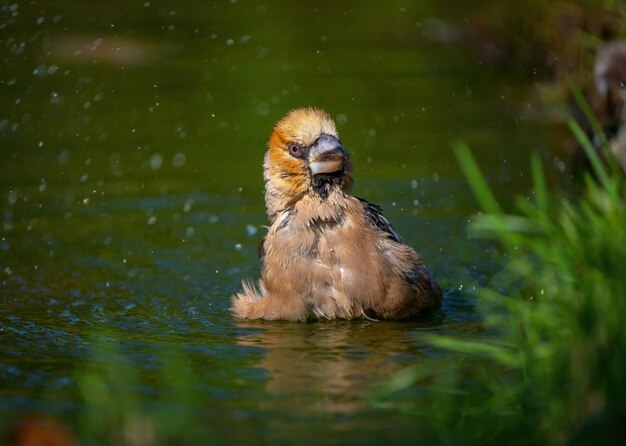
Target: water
132	138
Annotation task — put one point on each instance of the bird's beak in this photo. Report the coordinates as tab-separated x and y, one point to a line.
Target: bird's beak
327	155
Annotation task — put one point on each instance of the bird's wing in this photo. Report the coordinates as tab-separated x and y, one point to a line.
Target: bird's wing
374	216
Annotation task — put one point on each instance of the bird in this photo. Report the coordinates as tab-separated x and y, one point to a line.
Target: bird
607	100
327	254
610	82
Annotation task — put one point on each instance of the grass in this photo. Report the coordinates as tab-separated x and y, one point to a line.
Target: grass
115	413
553	369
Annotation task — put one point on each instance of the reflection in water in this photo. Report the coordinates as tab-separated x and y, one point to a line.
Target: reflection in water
326	368
103	48
329	367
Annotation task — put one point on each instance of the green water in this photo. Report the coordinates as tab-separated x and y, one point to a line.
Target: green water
132	136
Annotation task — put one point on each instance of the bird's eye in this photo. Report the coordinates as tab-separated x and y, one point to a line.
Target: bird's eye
294	149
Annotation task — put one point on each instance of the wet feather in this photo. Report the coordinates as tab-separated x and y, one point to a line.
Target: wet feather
327	254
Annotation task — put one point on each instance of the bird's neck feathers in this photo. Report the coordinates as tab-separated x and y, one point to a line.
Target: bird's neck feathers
284	190
312	210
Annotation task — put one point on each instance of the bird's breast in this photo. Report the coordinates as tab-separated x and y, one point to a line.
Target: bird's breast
332	263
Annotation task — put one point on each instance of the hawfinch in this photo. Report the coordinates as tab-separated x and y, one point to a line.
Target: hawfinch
327	254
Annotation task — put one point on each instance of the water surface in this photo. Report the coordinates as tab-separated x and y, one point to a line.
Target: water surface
132	136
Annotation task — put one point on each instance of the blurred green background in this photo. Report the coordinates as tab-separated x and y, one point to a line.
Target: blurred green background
132	136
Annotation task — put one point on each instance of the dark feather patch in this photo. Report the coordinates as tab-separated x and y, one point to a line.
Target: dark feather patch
262	251
323	182
374	216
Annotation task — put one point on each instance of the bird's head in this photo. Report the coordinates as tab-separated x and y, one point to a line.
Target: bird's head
304	156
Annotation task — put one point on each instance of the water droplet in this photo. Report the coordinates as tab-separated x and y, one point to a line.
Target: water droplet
64	156
179	159
251	230
12	196
263	108
156	161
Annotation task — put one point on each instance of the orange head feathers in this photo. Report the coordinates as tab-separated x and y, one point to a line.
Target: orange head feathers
304	156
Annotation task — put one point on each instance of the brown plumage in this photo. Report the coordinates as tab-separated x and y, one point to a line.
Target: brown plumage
327	254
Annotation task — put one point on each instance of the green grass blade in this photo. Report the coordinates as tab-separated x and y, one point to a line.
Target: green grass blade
587	111
591	153
476	179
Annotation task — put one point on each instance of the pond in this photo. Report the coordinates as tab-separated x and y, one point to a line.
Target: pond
132	137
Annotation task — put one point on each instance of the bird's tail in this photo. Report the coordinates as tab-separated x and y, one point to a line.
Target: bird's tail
249	303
